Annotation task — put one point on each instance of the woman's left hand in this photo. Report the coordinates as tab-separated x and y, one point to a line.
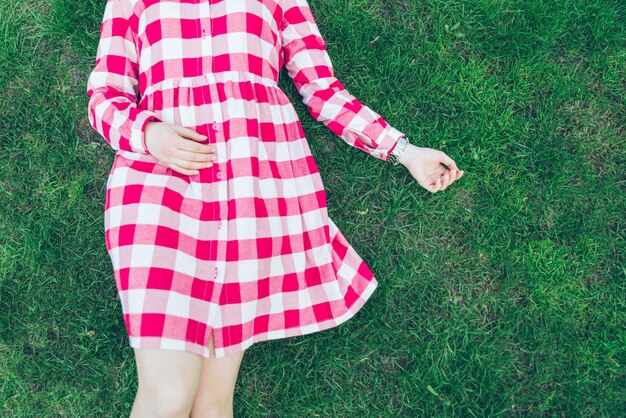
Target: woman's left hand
424	164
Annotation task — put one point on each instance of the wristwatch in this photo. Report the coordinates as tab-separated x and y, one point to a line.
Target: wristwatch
397	150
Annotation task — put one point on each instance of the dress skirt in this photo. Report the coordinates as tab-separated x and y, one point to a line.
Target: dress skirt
244	249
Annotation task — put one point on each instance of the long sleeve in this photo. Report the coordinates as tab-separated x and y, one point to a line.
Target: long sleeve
112	86
309	65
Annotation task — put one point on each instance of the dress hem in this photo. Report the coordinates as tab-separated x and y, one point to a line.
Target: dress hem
221	352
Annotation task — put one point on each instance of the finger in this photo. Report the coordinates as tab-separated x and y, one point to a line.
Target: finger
445	181
435	186
454	175
196	147
447	161
182	170
189	133
184	154
192	165
439	184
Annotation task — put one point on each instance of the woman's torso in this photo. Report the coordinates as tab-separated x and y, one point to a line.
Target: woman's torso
185	39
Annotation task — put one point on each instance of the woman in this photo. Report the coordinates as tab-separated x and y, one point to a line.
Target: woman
215	215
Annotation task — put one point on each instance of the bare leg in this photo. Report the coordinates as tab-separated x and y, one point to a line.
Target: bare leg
168	381
214	398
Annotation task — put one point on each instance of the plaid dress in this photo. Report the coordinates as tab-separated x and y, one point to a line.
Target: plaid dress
244	249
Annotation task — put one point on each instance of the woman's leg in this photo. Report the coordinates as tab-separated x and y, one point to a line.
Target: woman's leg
214	397
168	380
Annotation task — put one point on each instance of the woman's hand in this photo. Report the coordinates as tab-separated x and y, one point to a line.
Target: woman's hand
175	147
424	164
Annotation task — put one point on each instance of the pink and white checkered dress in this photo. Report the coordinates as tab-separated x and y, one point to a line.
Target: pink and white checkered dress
244	249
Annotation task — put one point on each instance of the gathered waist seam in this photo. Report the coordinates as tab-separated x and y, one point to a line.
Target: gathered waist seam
212	77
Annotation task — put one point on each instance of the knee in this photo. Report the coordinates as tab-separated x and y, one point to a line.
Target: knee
166	401
212	408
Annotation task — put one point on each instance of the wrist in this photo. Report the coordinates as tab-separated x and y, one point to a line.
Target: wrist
396	155
147	129
408	154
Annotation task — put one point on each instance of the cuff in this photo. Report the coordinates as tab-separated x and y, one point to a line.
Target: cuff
384	138
138	137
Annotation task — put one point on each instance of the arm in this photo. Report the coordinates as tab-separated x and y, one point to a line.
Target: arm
112	86
311	69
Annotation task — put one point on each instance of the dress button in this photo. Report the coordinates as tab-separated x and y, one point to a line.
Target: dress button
219	225
215	271
219	175
214	126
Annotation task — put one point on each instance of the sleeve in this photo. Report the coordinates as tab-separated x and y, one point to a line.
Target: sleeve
309	65
112	86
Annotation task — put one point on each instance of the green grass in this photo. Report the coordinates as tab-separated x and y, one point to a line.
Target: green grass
502	296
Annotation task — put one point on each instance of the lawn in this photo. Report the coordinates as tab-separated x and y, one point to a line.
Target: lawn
504	295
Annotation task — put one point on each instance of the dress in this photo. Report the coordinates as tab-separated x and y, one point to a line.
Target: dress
244	249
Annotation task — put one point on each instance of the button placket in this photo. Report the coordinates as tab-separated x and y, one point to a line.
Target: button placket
205	25
215	128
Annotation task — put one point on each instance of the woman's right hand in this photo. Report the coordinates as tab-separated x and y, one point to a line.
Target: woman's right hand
175	147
